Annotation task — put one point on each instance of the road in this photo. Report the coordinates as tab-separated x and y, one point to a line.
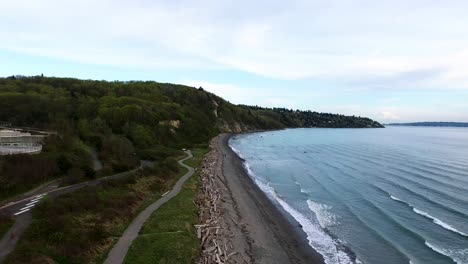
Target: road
119	251
20	209
43	188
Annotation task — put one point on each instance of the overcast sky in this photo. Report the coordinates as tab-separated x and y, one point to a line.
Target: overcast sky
389	60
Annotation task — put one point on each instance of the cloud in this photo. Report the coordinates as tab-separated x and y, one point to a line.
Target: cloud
228	91
245	95
389	116
357	43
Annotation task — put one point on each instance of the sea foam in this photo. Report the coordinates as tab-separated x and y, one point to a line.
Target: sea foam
458	256
324	217
318	238
236	151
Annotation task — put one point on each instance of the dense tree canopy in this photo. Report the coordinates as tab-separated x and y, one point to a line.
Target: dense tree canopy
124	121
147	113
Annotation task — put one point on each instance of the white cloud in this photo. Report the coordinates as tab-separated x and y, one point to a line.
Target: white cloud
249	96
338	41
228	91
386	115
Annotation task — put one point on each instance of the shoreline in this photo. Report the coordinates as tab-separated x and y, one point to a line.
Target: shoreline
259	230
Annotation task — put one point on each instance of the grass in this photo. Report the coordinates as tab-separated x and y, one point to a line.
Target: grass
169	236
5	224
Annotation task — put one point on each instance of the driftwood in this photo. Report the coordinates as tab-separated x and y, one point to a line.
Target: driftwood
214	241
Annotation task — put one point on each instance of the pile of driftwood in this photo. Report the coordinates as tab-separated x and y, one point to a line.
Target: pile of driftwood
213	239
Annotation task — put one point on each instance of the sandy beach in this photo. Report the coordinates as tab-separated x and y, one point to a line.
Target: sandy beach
255	229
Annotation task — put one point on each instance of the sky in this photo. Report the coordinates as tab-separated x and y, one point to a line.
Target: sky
393	61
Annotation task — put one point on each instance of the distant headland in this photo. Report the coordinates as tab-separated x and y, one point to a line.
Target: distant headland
432	124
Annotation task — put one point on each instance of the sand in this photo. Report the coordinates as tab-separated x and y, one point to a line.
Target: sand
258	230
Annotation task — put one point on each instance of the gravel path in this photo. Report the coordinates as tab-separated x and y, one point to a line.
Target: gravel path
119	251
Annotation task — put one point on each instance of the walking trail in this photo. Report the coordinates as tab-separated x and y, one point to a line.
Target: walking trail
119	251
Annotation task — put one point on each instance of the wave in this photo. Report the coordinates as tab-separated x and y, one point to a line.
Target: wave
298	184
235	150
324	217
440	177
396	199
434	219
439	222
453	208
249	170
458	256
317	237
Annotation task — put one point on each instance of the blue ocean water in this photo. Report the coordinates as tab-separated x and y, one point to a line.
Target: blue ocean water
393	195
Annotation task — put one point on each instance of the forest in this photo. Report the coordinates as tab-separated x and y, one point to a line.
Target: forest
124	122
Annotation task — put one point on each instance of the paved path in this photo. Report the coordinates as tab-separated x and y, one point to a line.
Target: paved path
9	240
118	253
43	188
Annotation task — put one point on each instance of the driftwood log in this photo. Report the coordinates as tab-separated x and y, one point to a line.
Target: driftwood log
215	244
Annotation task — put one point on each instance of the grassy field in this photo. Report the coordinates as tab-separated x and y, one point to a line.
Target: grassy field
82	226
5	224
169	235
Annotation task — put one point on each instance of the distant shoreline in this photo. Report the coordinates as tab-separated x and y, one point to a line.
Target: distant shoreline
431	124
272	236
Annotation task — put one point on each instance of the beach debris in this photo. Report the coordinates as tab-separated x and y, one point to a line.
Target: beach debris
214	239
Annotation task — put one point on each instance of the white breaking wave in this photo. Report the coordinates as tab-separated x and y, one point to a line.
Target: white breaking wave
439	222
458	256
249	170
396	199
434	219
324	217
236	151
318	238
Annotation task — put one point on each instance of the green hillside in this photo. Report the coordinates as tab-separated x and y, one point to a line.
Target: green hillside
124	122
147	113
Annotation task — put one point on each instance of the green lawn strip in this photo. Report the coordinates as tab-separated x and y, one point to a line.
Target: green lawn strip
169	235
198	155
118	231
5	224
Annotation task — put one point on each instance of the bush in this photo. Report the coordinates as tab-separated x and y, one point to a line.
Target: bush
89	172
64	163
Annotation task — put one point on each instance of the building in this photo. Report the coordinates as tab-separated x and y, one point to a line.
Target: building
17	142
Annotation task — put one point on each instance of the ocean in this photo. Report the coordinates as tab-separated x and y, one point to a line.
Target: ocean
379	196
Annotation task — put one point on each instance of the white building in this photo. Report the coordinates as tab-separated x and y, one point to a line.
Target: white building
16	142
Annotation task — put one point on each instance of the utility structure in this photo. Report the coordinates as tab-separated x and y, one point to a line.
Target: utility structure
18	142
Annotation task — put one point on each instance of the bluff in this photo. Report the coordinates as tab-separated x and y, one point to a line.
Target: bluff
146	113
